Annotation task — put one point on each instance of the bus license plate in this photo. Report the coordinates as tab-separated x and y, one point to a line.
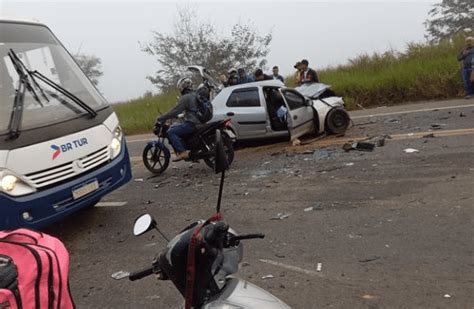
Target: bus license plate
84	190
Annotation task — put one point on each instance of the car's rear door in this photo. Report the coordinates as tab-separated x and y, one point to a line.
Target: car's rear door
300	114
244	107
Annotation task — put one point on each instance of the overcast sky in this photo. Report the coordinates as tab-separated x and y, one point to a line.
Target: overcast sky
324	32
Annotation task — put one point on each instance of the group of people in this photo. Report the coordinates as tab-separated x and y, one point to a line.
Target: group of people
304	74
240	76
466	55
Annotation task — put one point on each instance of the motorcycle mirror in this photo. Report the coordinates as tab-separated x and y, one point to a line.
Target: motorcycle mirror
221	163
143	224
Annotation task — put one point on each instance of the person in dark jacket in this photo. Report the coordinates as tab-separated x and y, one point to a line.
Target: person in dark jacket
244	77
307	74
276	74
466	55
187	104
259	75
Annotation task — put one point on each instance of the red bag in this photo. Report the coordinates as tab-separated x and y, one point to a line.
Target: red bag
33	271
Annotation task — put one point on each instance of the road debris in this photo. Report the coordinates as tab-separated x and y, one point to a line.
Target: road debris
371	259
322	153
316	206
462	115
447	296
368	296
319	266
148	202
267	277
437	126
138	180
430	135
296	142
392	120
349	164
360	146
281	216
410	150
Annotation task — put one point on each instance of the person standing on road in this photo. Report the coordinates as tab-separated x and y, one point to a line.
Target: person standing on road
276	75
307	74
467	57
187	104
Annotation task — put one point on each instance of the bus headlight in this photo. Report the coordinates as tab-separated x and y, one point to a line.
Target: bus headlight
115	148
9	183
14	185
116	144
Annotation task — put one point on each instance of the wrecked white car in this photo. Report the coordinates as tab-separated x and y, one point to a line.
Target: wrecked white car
268	109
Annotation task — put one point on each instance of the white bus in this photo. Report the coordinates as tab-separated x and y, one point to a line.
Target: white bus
61	146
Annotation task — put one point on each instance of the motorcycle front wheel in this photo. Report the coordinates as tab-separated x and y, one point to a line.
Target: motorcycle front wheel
228	148
156	158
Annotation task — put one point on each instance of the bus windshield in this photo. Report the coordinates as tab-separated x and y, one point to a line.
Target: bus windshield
39	50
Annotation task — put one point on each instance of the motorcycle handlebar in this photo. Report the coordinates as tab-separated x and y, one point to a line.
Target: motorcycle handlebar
141	273
234	240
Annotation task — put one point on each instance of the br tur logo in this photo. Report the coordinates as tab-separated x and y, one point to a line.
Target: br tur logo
68	146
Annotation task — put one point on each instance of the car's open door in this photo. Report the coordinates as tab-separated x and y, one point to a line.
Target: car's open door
300	113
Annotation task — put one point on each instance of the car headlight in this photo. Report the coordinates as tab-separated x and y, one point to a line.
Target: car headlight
116	144
13	185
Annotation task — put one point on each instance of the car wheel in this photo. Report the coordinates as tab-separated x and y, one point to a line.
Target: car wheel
337	121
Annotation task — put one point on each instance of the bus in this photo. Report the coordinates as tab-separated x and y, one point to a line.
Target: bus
61	146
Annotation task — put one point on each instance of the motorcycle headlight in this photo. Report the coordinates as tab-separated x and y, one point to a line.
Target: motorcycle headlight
116	144
13	185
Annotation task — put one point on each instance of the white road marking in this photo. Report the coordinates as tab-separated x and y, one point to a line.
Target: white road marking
412	111
111	204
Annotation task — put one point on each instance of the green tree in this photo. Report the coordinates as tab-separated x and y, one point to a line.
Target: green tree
195	42
449	17
91	66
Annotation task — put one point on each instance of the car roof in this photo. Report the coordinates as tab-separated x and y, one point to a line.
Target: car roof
7	19
225	92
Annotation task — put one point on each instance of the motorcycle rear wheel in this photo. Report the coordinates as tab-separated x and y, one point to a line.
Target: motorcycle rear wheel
156	158
229	150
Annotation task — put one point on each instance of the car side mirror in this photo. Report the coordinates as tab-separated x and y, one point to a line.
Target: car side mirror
143	224
308	102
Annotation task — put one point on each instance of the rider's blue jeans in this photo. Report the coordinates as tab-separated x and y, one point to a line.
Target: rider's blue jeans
176	132
466	76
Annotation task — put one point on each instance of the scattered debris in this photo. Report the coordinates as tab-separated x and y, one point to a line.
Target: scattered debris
316	206
296	142
148	202
462	115
360	146
410	150
138	179
447	296
349	164
279	255
368	296
281	216
319	266
371	121
322	153
392	120
371	259
410	134
430	135
437	126
267	277
306	152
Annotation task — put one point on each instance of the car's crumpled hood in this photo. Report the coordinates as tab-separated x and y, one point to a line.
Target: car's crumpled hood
313	90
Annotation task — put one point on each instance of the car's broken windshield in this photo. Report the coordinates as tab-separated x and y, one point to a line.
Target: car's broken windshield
312	90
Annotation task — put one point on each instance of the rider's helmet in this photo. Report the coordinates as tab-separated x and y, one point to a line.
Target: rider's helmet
184	84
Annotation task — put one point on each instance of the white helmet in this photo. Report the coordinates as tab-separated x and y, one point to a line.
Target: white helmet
184	83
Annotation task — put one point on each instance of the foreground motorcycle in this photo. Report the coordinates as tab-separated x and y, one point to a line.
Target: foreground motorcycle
156	155
201	259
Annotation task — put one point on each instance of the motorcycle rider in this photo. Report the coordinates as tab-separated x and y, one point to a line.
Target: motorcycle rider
187	104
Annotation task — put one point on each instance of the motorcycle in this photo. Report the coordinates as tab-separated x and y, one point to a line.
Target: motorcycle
156	155
202	258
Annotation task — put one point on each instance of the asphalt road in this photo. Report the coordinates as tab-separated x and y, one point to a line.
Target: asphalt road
391	229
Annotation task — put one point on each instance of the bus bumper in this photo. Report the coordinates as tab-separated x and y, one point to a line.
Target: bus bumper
48	206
